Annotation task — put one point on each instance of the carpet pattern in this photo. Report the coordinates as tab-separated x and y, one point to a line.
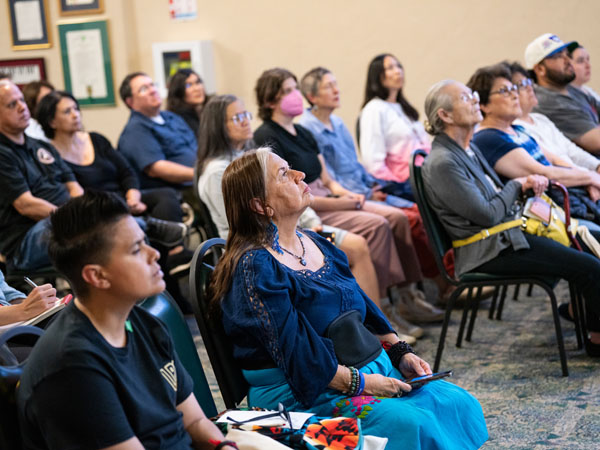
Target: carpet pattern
512	366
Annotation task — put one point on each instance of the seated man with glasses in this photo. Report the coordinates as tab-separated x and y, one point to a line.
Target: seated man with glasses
507	147
573	111
159	144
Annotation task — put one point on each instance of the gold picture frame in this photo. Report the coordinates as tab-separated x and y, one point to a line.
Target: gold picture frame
28	21
80	7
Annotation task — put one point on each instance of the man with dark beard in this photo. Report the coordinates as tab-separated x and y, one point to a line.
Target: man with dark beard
574	112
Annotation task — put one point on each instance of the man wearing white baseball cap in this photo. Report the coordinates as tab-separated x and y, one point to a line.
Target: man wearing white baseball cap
574	112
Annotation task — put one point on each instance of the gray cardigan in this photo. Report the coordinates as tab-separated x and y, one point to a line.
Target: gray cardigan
465	202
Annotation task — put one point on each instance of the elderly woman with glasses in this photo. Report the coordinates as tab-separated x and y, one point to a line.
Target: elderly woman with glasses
507	147
306	335
469	197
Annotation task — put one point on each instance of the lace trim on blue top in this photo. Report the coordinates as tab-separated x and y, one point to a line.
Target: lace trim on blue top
261	312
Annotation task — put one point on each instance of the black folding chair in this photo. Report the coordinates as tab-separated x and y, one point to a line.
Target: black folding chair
229	375
440	243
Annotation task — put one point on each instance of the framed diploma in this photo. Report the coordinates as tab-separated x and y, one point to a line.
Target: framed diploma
87	67
23	71
29	24
73	7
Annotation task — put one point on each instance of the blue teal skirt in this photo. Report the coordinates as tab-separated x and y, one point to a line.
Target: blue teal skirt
439	415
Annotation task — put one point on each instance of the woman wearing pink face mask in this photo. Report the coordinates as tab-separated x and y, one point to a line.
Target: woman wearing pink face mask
385	228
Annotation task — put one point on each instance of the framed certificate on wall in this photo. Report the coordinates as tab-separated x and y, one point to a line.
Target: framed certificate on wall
29	24
87	66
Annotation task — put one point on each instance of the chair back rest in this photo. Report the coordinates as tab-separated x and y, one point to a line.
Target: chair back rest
10	437
165	309
439	240
203	216
231	381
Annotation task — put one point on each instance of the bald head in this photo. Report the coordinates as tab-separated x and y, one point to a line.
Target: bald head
14	115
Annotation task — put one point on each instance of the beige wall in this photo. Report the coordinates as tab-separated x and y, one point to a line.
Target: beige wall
433	39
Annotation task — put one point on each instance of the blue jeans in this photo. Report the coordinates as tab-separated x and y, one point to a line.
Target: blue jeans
33	251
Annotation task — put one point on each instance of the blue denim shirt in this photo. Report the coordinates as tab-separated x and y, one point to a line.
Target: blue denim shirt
144	142
337	147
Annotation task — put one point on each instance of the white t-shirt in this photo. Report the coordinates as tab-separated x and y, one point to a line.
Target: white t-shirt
551	139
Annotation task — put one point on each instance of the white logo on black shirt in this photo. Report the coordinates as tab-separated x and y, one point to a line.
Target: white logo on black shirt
44	156
170	374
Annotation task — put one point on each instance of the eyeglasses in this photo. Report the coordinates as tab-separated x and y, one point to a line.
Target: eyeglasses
146	87
329	86
193	83
524	84
469	97
239	118
506	90
281	412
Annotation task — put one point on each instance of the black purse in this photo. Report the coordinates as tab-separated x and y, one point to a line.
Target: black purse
353	343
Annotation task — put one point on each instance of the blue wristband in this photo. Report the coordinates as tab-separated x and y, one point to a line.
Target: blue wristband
361	386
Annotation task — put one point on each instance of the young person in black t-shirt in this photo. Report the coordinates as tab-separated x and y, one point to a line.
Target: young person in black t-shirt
105	374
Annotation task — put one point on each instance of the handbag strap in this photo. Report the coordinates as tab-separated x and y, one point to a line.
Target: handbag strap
483	234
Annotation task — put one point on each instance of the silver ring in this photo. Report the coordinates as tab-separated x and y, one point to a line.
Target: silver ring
358	205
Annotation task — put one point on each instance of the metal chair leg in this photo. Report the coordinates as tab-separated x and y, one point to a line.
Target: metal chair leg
440	349
463	320
559	335
493	304
530	290
516	292
575	306
473	314
501	303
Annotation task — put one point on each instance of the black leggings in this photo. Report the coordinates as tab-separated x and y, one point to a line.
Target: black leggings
162	203
546	257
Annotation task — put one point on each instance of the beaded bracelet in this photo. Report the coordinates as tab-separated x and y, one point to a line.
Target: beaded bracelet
354	380
397	351
356	386
222	444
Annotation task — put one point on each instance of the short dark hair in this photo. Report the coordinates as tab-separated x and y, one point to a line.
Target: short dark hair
376	89
516	67
268	87
483	79
81	234
5	75
31	92
125	89
46	110
309	84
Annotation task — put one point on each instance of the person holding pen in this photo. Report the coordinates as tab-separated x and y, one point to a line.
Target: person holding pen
105	373
15	306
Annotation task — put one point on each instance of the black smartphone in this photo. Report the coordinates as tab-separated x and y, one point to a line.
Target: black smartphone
329	235
420	381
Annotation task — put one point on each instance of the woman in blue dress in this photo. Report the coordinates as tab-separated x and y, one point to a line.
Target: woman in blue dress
304	332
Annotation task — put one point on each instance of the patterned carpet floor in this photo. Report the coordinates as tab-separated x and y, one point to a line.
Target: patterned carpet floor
512	366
